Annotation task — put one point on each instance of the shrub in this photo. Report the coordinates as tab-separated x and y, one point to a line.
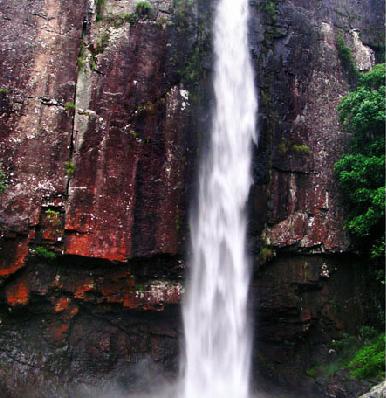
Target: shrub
52	213
346	58
266	254
361	171
3	180
53	217
43	252
270	8
81	60
369	361
99	9
283	146
362	356
69	106
69	168
3	90
143	8
301	149
102	42
120	19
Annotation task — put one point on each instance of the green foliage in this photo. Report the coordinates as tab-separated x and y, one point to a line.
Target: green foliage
81	60
120	19
45	253
266	254
3	180
53	217
270	8
143	8
312	372
182	13
362	355
99	9
102	42
131	18
192	71
283	146
301	149
69	168
69	106
52	213
361	171
346	57
369	361
3	90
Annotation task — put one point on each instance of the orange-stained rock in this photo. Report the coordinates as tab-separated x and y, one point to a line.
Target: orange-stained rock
13	254
62	304
85	287
84	245
17	293
126	198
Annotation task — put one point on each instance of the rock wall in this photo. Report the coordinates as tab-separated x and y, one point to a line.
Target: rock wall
95	146
310	287
104	110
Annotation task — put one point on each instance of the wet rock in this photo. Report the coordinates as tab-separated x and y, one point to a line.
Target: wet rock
101	126
378	391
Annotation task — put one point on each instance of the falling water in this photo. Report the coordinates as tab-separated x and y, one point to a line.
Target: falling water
215	314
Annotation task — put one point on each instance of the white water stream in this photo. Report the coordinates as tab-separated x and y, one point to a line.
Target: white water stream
217	355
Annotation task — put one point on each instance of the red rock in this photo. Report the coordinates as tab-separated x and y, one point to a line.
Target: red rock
17	293
126	196
82	290
62	304
13	254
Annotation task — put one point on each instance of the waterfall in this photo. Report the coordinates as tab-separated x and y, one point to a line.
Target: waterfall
217	354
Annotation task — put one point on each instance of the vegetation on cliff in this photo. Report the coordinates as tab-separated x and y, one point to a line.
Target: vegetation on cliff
3	180
361	357
361	171
369	360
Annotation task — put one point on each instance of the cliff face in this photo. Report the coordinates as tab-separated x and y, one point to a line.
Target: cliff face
103	109
307	291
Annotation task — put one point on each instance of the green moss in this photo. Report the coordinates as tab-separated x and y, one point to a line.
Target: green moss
3	90
100	4
53	217
346	57
361	355
143	8
270	8
119	20
81	60
93	63
369	361
52	213
134	134
3	180
43	252
69	168
132	18
192	70
266	254
69	106
140	287
283	146
102	42
312	372
301	149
